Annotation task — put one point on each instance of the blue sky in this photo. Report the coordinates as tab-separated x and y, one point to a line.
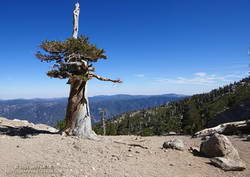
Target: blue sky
154	46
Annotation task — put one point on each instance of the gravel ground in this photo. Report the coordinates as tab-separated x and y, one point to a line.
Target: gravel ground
51	155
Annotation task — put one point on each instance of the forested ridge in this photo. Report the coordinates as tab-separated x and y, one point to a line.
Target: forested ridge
50	111
189	115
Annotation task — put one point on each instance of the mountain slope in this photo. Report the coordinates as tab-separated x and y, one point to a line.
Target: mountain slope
229	103
50	111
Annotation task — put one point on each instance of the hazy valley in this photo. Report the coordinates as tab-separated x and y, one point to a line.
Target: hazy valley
49	111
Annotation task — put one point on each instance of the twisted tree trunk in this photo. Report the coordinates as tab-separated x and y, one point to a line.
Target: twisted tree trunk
78	119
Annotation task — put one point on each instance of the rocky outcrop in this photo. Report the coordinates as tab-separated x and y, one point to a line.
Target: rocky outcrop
23	128
223	153
227	129
174	144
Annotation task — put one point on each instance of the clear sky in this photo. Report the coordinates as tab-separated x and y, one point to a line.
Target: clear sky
154	46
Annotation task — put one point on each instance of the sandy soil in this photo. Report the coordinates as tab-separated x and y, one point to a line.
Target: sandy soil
46	155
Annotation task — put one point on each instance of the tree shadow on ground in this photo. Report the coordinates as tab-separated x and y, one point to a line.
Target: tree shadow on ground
23	131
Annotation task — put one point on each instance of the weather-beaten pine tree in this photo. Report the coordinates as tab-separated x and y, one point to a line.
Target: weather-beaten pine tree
72	59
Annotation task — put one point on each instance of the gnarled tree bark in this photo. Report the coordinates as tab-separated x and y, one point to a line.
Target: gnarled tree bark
78	119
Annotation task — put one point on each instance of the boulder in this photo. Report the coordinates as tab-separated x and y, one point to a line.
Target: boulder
219	146
228	164
174	144
223	153
248	138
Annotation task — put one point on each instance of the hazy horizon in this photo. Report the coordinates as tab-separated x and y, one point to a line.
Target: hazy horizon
6	99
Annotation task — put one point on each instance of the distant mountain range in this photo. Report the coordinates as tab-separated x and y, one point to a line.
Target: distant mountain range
225	104
50	111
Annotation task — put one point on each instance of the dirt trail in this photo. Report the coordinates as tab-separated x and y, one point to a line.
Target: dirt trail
42	154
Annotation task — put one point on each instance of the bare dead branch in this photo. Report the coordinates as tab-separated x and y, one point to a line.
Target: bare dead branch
91	75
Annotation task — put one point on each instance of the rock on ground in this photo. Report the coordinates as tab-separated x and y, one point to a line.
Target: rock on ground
218	146
224	154
228	164
174	144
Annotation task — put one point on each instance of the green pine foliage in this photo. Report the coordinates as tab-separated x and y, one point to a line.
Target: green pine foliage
185	116
70	57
